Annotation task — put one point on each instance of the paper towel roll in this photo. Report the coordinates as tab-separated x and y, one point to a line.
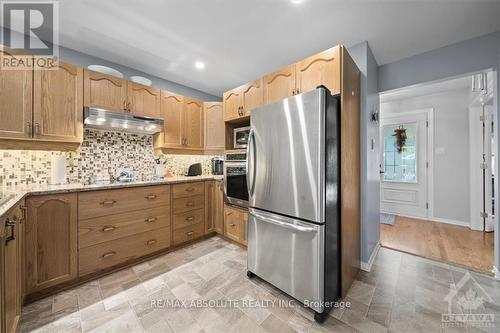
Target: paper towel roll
58	170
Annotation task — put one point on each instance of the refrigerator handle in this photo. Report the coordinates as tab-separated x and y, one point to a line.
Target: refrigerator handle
250	143
297	226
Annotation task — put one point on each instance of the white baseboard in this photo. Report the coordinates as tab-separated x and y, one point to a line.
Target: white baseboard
496	272
432	219
367	266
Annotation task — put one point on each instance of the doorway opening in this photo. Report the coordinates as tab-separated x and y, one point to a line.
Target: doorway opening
437	167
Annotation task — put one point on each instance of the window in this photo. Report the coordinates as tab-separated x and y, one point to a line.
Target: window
400	163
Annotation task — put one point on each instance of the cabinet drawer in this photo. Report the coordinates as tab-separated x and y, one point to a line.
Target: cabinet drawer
108	202
233	229
182	205
188	233
109	254
189	218
107	228
188	189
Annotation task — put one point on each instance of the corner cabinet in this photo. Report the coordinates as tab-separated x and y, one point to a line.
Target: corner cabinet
214	206
143	100
16	96
214	126
320	69
58	103
193	125
104	91
51	238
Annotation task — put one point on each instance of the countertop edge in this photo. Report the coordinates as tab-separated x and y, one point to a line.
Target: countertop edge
20	194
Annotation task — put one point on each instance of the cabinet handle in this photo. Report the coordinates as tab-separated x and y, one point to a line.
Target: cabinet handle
190	218
28	128
124	106
108	228
151	242
190	189
10	223
233	225
151	196
37	128
128	107
191	233
297	91
229	213
108	254
190	204
151	219
108	202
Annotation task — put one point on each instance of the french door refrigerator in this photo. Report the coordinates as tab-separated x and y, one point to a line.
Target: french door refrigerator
293	185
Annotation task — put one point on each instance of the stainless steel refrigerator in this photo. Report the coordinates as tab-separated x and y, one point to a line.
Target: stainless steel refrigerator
293	185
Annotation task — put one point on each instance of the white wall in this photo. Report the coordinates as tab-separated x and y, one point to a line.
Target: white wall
451	149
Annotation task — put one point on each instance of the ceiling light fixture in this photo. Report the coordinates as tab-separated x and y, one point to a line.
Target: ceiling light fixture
199	65
297	2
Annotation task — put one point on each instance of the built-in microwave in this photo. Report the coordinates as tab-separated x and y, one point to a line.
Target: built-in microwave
241	137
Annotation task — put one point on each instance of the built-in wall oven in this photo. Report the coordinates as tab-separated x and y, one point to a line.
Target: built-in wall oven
235	180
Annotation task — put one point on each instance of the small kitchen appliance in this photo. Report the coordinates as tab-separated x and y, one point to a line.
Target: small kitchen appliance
194	170
217	166
241	137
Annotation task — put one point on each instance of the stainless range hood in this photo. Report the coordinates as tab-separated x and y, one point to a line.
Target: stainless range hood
120	121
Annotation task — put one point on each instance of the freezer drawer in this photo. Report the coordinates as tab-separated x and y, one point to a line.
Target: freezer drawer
287	253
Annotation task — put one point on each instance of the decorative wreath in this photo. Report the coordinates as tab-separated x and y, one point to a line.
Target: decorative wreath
400	134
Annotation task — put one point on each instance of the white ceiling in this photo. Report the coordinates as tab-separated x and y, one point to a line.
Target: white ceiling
240	40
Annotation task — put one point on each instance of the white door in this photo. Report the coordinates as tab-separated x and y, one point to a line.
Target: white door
404	176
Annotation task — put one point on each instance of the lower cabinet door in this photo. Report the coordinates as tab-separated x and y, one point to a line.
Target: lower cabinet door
51	241
12	296
119	251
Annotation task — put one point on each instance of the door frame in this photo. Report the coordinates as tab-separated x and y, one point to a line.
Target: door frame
429	112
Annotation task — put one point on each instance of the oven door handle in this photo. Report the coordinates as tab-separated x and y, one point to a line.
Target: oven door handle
250	143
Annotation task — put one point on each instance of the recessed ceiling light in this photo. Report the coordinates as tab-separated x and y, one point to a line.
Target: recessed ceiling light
297	2
199	65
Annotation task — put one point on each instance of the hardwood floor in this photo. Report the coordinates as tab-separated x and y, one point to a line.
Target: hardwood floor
440	241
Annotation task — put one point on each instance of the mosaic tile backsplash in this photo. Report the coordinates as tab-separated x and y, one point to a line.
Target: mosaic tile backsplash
100	156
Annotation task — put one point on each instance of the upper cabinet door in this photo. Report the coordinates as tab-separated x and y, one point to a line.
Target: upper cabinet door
253	96
320	69
233	103
214	126
279	84
172	112
58	103
16	87
193	127
144	100
104	91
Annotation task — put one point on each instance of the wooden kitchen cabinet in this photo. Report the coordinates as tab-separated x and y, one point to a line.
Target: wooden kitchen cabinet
193	125
239	102
253	96
11	269
58	103
232	102
172	112
143	100
16	89
214	126
51	239
214	206
104	91
279	84
235	224
320	69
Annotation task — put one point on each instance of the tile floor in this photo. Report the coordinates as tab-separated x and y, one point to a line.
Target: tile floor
402	293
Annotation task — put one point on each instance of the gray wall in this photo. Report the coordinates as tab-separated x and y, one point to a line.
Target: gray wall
457	59
83	60
370	177
465	57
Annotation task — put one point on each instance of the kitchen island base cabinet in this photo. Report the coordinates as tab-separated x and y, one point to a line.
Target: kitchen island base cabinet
51	241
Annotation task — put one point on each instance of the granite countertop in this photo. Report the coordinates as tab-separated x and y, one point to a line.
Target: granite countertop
15	194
